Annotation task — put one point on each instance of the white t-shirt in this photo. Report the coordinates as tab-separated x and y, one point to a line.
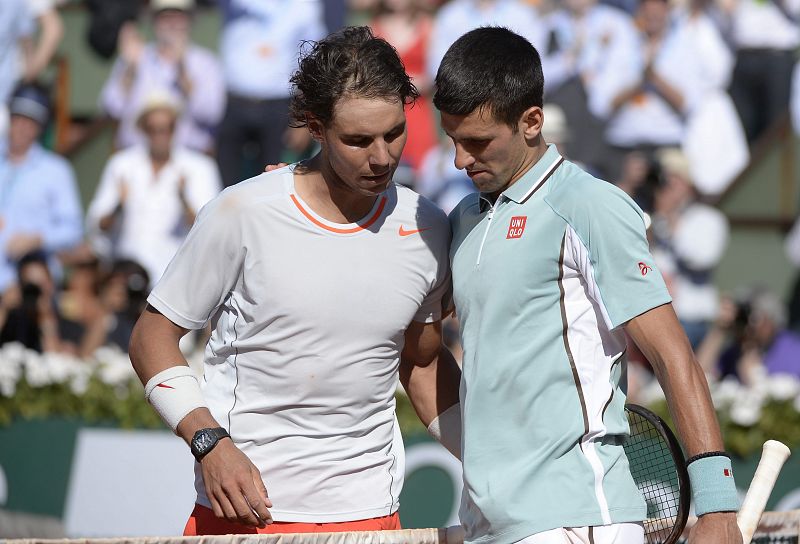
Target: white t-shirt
153	225
308	321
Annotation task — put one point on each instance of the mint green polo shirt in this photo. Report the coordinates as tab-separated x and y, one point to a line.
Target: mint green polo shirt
543	280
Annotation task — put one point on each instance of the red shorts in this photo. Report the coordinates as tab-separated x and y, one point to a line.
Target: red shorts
204	522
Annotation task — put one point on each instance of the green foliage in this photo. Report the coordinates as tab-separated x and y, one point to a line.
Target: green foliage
779	420
407	417
121	405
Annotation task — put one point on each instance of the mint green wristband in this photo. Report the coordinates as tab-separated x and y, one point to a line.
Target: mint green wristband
713	487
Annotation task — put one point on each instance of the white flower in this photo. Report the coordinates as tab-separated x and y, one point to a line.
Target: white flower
59	366
746	411
116	373
36	373
726	392
7	387
745	414
13	352
783	386
111	355
79	383
10	371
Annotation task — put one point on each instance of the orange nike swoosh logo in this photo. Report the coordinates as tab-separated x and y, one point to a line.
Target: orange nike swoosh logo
404	232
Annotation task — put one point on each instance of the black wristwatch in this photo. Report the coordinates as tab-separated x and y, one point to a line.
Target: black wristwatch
204	441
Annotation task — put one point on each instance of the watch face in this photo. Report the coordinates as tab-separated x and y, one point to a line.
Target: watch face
204	441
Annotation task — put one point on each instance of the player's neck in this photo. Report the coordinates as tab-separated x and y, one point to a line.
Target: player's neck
327	195
530	159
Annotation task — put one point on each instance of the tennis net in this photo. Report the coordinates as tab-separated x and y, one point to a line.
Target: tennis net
774	528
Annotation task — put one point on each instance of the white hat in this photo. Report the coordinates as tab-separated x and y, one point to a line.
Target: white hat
673	161
158	100
182	5
555	129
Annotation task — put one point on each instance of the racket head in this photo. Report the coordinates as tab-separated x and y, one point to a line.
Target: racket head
659	470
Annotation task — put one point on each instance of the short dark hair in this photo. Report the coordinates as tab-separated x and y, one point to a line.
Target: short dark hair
352	62
490	67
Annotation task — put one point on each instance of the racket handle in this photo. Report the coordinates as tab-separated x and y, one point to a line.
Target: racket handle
773	456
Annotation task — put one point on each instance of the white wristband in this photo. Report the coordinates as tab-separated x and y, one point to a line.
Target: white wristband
174	393
446	429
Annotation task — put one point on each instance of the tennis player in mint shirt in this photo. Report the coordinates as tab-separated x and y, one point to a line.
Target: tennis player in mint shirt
550	267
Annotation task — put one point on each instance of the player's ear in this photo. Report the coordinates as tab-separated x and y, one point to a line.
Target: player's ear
315	127
531	122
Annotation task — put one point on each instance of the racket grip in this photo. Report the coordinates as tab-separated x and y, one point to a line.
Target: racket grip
773	456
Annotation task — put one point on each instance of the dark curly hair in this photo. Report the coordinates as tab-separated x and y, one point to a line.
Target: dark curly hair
352	62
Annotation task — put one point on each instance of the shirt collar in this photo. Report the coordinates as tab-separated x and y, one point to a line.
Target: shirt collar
35	151
534	178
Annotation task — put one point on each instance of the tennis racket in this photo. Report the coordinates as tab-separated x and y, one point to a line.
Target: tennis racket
659	470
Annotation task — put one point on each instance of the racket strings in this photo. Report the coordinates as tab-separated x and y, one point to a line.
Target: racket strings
654	473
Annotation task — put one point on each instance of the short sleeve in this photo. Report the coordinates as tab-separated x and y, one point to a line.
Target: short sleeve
609	245
438	300
205	269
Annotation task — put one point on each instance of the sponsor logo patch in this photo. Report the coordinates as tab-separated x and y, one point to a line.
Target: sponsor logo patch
516	226
404	232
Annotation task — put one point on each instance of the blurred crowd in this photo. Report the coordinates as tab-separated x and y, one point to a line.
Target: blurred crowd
664	98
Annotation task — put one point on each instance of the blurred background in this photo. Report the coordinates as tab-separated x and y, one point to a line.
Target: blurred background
120	119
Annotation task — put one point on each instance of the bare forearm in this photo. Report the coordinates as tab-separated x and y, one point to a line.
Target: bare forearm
625	96
660	337
154	348
433	388
692	409
52	30
672	95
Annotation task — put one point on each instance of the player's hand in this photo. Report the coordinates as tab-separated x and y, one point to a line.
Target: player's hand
271	167
234	486
716	528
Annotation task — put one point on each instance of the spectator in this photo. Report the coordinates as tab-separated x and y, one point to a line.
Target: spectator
674	66
79	301
172	64
259	46
458	17
584	58
405	25
638	177
39	203
106	19
687	259
16	29
29	315
123	296
148	195
556	131
765	36
759	340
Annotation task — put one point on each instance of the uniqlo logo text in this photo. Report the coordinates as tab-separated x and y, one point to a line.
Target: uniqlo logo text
517	226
